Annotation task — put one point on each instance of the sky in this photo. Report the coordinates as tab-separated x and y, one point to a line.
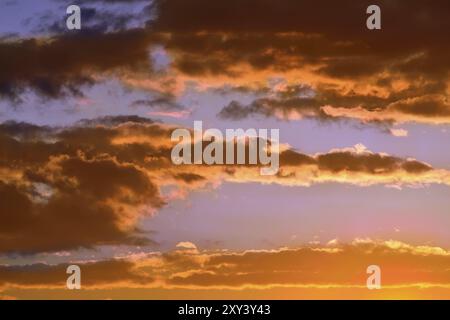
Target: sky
86	176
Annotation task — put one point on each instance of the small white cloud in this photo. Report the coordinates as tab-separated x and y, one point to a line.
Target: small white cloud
186	245
399	132
333	242
360	148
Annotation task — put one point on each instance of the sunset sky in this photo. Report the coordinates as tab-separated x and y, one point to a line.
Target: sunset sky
86	176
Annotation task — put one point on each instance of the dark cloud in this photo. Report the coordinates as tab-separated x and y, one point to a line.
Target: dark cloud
86	205
408	27
328	37
427	101
370	163
59	66
269	107
189	177
93	274
426	106
158	103
405	20
74	192
111	121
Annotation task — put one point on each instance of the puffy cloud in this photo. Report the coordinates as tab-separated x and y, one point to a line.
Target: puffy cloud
293	102
82	203
66	199
59	66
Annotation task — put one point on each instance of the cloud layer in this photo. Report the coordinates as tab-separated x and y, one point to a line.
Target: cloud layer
397	74
90	184
310	268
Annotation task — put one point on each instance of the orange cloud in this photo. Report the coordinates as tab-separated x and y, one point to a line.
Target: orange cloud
319	270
